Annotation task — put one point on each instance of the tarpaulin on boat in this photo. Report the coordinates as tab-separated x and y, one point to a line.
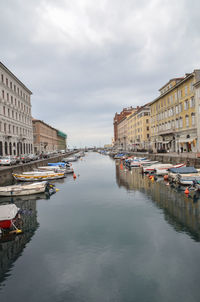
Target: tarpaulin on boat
183	170
8	211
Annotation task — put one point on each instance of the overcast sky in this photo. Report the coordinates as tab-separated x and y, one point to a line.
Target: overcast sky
84	60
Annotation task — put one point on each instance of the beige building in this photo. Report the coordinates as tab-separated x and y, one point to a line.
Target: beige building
16	134
174	115
138	129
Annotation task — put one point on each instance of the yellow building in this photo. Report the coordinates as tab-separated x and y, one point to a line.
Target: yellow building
138	129
173	115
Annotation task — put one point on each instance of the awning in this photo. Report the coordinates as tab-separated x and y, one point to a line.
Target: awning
186	140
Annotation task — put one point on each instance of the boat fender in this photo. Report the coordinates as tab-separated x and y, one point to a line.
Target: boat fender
186	191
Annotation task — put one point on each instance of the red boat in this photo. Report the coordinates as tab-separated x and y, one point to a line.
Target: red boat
8	216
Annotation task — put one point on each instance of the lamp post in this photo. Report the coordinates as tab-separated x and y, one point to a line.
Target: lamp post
178	136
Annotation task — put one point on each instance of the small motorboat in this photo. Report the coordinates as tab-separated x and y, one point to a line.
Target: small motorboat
8	216
175	173
56	169
70	159
163	169
58	164
38	175
25	189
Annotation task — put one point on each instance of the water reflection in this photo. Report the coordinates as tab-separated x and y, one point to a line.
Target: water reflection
12	246
180	211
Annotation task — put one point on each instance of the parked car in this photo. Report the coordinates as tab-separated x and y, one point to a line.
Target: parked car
33	157
7	160
24	158
17	159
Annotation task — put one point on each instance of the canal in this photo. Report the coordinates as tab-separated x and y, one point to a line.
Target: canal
110	235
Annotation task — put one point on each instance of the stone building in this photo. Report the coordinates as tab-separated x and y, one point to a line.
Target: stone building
16	134
44	137
47	138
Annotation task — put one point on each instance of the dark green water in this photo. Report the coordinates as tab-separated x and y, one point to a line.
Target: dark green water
111	235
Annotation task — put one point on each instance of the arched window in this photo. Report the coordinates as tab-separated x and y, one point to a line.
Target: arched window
10	148
187	121
1	148
6	148
193	119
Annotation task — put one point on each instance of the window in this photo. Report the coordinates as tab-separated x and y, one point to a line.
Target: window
192	102
6	81
177	124
176	109
187	121
180	108
8	97
11	98
2	78
186	90
181	123
147	128
3	94
4	110
186	105
193	119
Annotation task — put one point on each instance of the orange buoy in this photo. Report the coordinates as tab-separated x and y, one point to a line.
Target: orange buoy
187	191
121	166
150	176
165	177
74	176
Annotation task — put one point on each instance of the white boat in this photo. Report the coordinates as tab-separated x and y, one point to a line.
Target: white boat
8	215
163	170
55	169
38	175
25	189
70	159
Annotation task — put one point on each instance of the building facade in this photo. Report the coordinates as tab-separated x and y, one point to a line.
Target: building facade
117	119
44	137
138	129
174	116
16	134
62	140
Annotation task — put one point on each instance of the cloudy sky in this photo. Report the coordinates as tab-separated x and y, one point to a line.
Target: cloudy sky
84	60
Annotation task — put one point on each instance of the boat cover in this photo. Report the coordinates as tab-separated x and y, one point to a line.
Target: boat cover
183	170
57	164
8	212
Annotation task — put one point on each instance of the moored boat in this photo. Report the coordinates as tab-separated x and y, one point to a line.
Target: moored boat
162	170
38	175
8	216
25	189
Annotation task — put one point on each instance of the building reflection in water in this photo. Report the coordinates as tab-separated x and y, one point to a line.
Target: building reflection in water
180	211
11	247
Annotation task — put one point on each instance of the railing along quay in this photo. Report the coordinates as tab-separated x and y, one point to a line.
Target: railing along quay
6	177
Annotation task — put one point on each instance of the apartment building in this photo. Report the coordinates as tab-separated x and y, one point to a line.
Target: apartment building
138	129
117	119
174	117
16	134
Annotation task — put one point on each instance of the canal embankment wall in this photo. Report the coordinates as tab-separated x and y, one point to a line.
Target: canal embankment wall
6	177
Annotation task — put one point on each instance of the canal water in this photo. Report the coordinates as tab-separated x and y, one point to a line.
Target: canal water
110	235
